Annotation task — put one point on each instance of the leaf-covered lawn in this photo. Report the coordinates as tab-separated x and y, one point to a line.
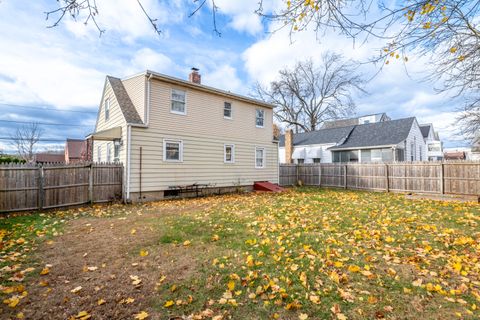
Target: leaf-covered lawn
303	254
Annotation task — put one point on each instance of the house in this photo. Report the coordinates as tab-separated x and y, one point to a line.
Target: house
432	140
381	141
456	155
475	155
371	118
170	133
77	150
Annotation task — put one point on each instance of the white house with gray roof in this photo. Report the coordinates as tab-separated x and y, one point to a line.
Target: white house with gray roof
382	141
433	142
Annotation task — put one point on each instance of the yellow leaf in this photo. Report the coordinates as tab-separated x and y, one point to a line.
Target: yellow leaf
142	315
453	49
169	303
20	315
143	253
303	316
353	268
100	302
215	237
44	271
133	231
186	243
314	299
231	285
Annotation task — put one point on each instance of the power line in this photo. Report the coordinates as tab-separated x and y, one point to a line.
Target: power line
48	124
42	108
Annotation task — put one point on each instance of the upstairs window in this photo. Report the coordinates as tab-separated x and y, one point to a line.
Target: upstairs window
173	150
178	102
229	153
259	118
107	109
227	110
259	157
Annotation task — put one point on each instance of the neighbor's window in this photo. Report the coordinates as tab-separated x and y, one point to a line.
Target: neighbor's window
116	152
227	110
107	109
229	153
109	146
300	161
259	118
172	150
99	154
316	160
178	101
259	157
420	152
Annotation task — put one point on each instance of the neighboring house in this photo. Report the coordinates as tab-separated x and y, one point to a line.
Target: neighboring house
476	147
371	118
170	132
455	155
76	150
383	141
432	140
49	157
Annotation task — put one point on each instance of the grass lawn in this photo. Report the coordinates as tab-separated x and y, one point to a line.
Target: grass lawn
304	254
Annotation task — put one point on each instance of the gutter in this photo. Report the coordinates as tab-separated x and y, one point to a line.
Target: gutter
362	148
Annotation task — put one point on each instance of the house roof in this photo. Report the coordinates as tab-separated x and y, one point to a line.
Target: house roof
204	88
322	136
378	134
128	109
75	148
425	128
50	157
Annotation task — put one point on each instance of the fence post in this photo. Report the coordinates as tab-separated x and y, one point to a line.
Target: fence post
41	193
345	177
442	178
319	175
296	174
386	177
90	183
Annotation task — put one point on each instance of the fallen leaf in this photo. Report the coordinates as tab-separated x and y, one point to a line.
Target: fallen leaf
142	315
100	302
143	253
76	289
169	303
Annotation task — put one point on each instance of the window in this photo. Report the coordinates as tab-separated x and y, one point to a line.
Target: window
420	152
227	110
259	157
345	156
259	118
109	146
99	154
366	155
107	109
178	102
412	151
173	150
316	160
116	151
229	153
300	161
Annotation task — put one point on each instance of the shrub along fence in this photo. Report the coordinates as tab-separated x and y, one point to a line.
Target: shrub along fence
31	187
456	178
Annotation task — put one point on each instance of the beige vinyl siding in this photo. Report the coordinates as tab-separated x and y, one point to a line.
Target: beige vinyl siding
136	89
116	120
204	132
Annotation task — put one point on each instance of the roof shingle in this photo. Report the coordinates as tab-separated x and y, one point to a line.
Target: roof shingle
128	109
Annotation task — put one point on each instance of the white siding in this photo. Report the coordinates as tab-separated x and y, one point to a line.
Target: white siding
136	89
415	136
325	158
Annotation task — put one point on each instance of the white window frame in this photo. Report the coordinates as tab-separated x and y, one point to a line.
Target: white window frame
264	159
109	152
180	156
184	102
107	109
231	110
225	146
99	154
263	118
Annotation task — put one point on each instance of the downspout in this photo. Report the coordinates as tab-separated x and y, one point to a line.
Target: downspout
129	148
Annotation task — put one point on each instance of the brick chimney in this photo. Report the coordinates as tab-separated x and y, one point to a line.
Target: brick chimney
194	76
288	146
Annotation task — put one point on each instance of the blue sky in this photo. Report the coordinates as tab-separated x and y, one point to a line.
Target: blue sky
64	68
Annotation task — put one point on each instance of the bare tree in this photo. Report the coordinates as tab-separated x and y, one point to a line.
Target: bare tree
308	95
468	121
25	139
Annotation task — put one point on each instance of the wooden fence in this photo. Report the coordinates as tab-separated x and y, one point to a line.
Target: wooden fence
31	187
456	178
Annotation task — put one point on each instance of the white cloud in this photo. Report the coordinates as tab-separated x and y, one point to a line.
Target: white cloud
242	14
146	58
224	77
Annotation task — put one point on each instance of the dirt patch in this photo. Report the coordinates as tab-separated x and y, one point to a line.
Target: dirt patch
110	247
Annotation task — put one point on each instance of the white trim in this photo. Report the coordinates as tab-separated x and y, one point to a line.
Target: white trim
264	157
184	113
263	111
129	151
225	153
180	150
